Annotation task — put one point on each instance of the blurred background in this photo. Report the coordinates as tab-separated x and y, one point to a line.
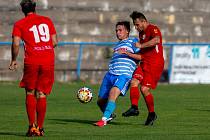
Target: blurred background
86	32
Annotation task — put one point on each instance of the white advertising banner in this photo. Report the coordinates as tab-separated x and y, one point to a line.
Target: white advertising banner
190	64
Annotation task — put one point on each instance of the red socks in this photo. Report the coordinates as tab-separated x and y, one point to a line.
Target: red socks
150	102
31	108
34	106
41	111
134	96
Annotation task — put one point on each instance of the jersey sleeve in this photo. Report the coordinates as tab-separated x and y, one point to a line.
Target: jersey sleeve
52	28
16	30
155	31
136	50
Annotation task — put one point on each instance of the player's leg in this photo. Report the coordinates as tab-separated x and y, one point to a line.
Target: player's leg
134	98
29	83
120	87
102	104
41	111
31	112
149	99
30	106
151	78
43	88
110	107
147	84
103	95
121	84
134	93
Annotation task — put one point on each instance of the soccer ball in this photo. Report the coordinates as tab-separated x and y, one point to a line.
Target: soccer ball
84	95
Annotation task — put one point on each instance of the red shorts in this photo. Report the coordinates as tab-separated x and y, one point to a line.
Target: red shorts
38	77
138	74
152	74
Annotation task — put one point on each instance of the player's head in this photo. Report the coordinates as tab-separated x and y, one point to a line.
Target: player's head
28	6
139	20
122	29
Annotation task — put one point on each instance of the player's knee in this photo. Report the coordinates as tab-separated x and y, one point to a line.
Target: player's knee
30	91
40	95
114	93
145	90
134	82
112	97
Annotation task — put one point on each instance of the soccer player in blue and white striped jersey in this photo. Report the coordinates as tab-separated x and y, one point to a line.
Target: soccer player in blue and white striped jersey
121	67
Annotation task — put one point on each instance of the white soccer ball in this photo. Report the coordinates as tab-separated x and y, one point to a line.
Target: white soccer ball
84	95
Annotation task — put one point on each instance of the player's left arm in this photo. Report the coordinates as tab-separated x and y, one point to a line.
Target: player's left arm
151	43
14	51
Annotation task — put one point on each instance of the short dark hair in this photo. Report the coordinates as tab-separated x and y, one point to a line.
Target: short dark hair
138	15
124	23
28	6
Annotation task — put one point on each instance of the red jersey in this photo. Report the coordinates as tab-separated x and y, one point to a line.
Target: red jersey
36	31
153	54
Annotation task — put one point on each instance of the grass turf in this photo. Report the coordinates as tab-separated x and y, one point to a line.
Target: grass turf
183	114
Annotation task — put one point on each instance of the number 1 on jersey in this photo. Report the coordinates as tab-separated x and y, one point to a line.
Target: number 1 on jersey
41	33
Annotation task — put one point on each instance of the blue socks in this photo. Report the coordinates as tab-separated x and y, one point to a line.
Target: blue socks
109	109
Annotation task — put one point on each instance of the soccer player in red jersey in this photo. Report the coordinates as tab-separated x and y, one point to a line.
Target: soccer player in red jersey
152	64
39	37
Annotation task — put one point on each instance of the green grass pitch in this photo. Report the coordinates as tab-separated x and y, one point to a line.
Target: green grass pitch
183	114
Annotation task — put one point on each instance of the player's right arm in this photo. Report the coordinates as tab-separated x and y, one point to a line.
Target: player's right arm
54	40
132	55
53	33
151	43
14	52
156	39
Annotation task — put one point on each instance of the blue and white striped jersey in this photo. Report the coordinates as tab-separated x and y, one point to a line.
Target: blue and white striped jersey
121	64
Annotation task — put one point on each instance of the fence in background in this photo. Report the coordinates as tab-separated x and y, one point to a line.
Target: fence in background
87	60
